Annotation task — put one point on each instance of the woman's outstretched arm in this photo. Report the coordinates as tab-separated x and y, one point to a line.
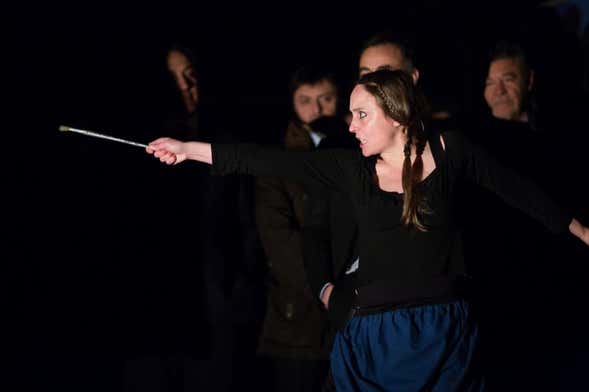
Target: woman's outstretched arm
334	169
514	189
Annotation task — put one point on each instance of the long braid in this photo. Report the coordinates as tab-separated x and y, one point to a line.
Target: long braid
407	181
412	174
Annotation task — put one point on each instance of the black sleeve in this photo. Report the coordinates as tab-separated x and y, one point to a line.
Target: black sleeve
478	166
328	168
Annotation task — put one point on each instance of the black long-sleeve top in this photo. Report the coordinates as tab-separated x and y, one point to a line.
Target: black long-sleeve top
388	249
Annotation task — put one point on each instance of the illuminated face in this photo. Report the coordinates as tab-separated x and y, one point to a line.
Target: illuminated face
372	127
506	89
184	74
312	101
384	56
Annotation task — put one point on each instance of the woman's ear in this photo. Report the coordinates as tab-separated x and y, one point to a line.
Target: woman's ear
393	122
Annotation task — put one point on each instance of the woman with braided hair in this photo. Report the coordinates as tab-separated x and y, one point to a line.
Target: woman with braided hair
411	327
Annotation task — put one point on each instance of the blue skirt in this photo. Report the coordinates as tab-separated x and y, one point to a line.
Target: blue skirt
423	348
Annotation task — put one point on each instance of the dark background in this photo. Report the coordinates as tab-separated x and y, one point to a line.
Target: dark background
105	65
81	268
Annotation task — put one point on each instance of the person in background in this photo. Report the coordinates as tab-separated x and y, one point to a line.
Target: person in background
201	332
294	335
518	136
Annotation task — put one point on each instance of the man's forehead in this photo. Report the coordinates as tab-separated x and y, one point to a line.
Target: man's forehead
506	65
386	54
321	87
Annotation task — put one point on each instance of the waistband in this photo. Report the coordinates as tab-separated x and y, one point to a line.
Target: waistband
382	296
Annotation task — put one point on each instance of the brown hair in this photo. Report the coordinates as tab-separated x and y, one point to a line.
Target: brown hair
400	99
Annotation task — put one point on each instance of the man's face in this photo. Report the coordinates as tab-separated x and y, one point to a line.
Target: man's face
312	101
506	89
384	56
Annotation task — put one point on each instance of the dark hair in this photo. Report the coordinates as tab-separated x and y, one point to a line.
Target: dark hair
402	101
511	50
387	37
310	74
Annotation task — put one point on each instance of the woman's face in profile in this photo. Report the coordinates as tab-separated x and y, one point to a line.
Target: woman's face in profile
372	127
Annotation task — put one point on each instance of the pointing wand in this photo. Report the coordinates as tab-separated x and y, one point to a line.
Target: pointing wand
64	128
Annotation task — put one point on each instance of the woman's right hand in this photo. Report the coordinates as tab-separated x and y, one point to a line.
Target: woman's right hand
168	150
576	228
